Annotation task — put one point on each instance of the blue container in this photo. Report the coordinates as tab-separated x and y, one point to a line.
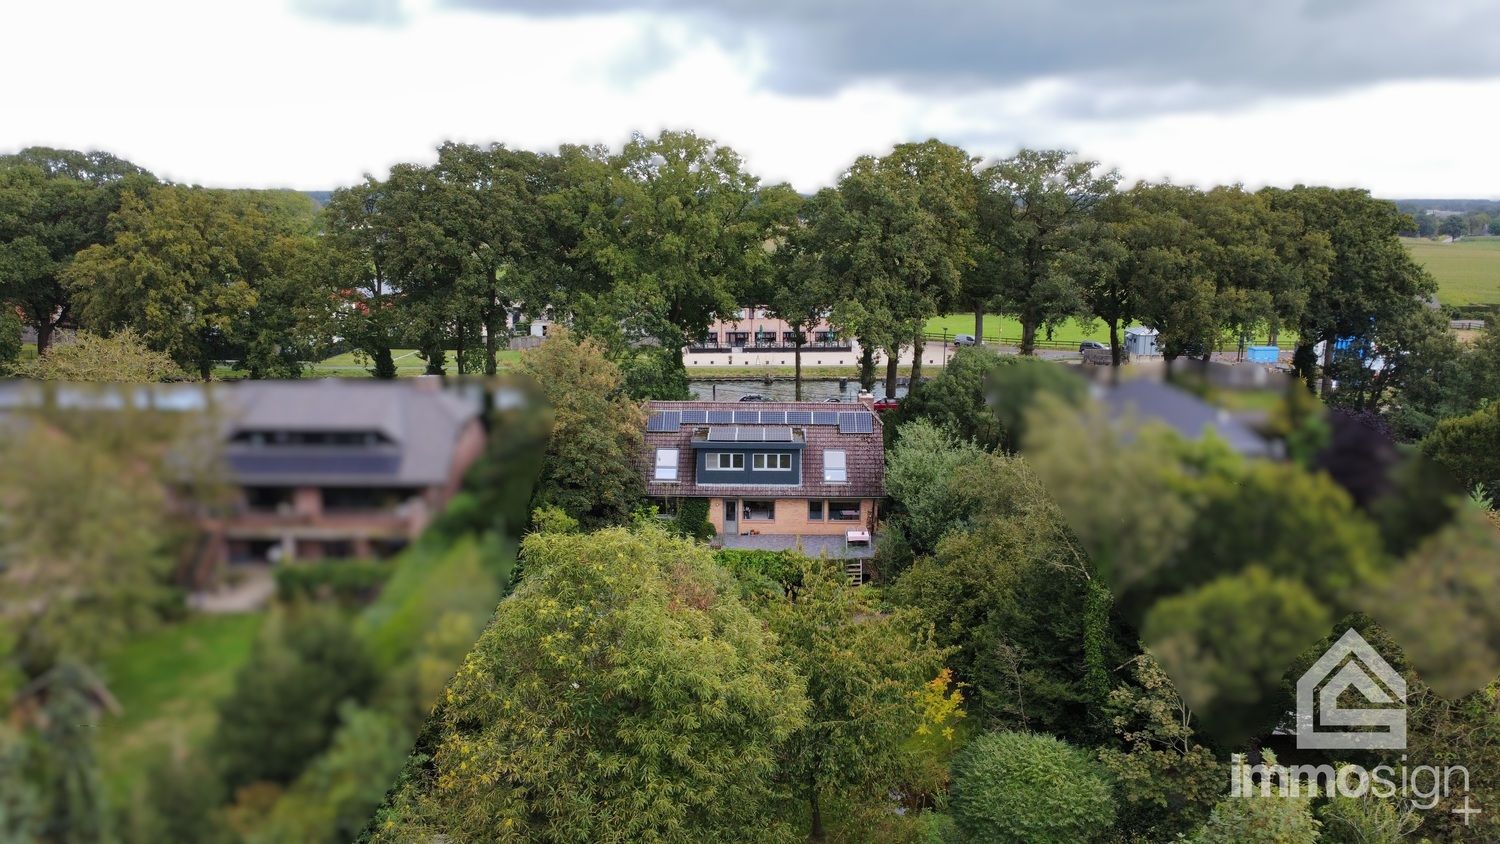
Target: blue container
1264	354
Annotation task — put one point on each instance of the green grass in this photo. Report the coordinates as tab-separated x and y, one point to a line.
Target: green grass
168	682
408	363
997	326
1467	272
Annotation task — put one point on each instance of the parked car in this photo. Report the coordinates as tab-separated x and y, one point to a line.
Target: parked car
832	400
1091	344
963	339
882	405
753	397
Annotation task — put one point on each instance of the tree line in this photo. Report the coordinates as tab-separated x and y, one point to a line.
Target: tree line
644	247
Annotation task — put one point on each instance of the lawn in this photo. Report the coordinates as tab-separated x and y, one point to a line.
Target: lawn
408	362
1003	328
1468	272
167	682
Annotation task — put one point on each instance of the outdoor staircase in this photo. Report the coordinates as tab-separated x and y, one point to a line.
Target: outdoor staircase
856	571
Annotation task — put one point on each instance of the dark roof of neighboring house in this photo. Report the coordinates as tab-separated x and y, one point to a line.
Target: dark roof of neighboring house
420	424
1150	400
864	453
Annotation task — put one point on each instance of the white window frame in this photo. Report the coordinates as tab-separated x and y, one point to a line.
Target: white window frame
835	466
734	457
666	465
762	459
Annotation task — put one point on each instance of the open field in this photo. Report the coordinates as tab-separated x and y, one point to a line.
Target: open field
1468	272
168	682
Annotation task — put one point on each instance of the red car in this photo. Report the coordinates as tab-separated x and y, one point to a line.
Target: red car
882	405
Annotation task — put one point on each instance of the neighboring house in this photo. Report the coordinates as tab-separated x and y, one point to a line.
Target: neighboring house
778	475
337	468
755	338
1149	400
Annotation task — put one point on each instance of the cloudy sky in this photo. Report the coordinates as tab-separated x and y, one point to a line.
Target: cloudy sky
1398	97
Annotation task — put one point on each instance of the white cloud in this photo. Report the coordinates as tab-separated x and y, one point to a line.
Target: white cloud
256	95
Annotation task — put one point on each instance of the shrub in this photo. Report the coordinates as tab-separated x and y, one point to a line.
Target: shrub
348	582
285	703
1029	789
692	519
783	568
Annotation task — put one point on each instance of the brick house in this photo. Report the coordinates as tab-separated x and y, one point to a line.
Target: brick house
338	468
775	474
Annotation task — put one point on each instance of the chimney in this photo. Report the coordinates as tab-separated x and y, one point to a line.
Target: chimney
866	398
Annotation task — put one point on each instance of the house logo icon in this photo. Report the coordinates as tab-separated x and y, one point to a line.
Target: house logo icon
1351	664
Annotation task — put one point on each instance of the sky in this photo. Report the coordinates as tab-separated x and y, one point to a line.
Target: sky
1396	97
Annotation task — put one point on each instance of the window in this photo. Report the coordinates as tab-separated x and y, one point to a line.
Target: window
738	338
815	511
761	511
726	460
789	338
843	511
666	464
834	470
781	461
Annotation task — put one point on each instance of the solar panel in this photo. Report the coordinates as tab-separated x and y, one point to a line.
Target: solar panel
746	417
667	421
773	417
778	435
825	417
721	417
721	435
694	417
799	417
855	423
751	435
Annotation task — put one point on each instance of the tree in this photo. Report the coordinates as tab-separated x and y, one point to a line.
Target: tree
62	705
863	670
622	693
359	241
1032	209
589	469
678	236
285	704
1014	787
1454	226
201	274
118	359
1372	278
802	290
1469	448
10	338
53	205
898	240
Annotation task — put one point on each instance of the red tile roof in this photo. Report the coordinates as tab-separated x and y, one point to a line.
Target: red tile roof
864	456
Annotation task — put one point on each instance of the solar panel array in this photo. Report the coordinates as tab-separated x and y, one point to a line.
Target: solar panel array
749	435
856	422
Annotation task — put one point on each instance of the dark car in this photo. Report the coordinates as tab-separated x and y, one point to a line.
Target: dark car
753	397
1091	344
882	405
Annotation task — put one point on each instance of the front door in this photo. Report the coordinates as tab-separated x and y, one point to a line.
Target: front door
731	517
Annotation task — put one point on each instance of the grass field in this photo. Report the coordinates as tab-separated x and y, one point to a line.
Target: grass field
1468	272
996	327
168	682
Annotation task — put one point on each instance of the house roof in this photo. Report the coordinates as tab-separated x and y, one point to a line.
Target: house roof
1150	400
420	422
858	434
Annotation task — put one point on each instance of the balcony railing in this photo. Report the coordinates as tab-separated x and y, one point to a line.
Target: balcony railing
777	346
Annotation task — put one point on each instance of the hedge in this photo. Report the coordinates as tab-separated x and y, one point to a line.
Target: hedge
347	581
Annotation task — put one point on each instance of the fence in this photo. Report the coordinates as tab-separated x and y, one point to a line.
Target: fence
991	340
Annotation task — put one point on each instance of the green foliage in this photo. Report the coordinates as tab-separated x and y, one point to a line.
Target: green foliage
10	338
334	797
73	806
864	673
1017	386
1166	782
347	581
1257	819
1365	820
121	358
589	467
1029	789
553	520
622	693
779	569
286	698
692	519
1469	448
654	374
19	800
922	476
467	577
182	795
956	401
